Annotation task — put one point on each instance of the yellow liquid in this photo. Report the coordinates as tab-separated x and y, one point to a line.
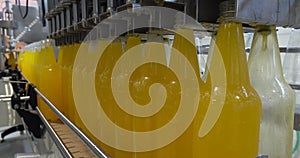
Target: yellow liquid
20	60
29	68
39	68
64	77
131	42
24	63
32	67
236	132
77	120
37	63
59	67
140	81
47	77
183	145
112	52
69	57
138	86
54	85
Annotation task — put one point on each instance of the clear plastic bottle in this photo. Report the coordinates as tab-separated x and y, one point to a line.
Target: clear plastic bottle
278	100
291	63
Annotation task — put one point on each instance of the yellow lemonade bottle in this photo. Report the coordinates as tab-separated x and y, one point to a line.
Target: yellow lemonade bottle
32	67
54	78
184	42
36	66
20	60
64	75
59	67
70	57
24	63
33	72
138	91
41	57
29	66
102	82
234	132
140	81
55	82
47	77
77	120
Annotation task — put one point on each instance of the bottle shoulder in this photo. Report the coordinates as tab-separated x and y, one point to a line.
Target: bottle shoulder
276	87
233	93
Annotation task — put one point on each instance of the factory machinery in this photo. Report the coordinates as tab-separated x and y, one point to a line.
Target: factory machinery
73	46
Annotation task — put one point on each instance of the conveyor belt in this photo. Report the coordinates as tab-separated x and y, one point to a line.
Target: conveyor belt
75	146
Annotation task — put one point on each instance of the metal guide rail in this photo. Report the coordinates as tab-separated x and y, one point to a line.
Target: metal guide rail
93	147
64	151
75	143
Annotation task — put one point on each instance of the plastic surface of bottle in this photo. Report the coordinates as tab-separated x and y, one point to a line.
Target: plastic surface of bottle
70	57
291	63
20	60
30	66
59	78
64	78
278	100
49	81
24	63
140	81
235	132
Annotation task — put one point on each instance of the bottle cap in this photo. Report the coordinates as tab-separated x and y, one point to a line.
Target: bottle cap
227	10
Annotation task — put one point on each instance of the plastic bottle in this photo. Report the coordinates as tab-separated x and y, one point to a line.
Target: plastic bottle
140	81
64	79
291	63
20	60
70	57
24	63
278	100
230	108
48	81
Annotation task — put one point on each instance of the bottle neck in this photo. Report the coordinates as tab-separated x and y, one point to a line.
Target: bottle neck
184	42
230	43
265	53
